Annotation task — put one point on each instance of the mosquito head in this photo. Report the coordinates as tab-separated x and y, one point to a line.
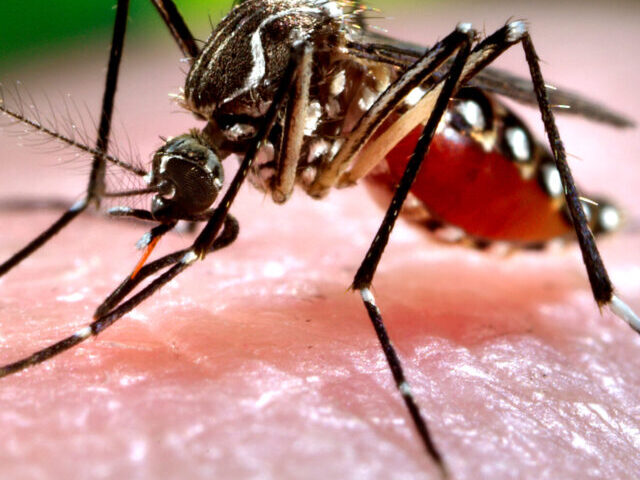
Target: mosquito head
188	176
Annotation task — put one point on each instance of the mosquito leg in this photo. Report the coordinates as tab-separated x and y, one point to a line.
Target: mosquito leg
484	53
204	241
227	236
131	213
383	106
75	210
179	261
365	273
101	322
375	150
601	285
602	289
179	30
293	132
96	177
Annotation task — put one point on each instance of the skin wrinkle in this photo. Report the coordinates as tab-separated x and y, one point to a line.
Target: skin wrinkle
230	372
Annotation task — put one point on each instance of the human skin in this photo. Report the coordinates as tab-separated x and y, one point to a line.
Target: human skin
259	363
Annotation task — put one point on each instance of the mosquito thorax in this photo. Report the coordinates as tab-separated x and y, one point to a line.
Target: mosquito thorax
239	69
231	84
188	176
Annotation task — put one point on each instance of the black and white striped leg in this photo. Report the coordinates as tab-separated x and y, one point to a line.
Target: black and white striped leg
227	237
127	212
106	316
482	55
177	27
601	285
95	186
399	377
364	276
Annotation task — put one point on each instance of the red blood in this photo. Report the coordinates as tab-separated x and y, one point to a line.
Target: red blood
481	192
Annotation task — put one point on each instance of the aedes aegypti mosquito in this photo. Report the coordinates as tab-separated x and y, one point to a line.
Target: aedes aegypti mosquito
306	95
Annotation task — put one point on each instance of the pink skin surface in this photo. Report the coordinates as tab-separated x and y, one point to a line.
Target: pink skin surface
258	363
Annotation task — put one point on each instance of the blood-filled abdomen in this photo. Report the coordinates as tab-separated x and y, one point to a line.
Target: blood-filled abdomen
485	174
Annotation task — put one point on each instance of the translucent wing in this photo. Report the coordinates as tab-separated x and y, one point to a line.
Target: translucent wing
390	50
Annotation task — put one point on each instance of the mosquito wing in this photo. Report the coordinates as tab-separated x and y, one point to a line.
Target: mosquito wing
495	80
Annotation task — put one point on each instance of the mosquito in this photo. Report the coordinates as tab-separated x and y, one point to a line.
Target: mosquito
307	96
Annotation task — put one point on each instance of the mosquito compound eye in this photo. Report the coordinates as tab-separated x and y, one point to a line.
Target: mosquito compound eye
188	175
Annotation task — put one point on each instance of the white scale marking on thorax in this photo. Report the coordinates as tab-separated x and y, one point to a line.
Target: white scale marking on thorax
257	52
210	44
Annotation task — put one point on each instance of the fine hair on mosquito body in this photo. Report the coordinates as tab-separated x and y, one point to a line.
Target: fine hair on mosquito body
305	95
